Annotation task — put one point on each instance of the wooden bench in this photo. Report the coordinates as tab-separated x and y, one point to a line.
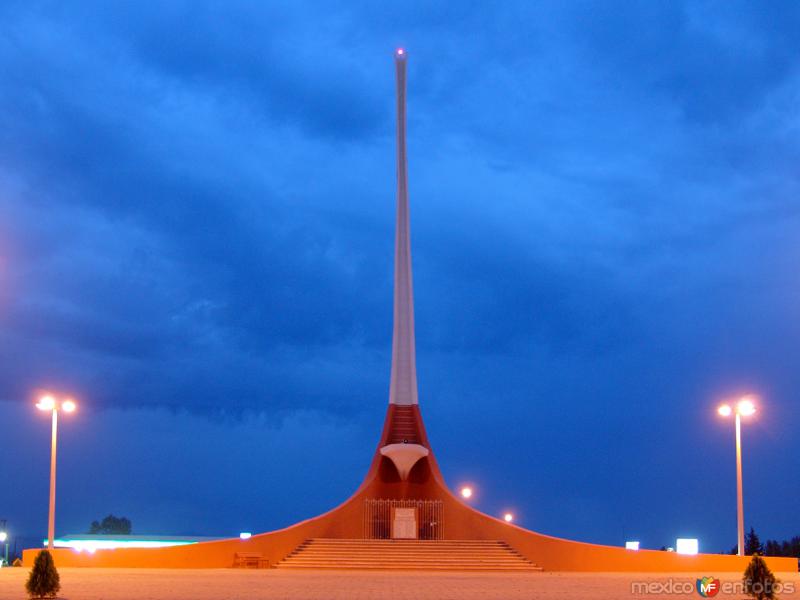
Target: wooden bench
250	560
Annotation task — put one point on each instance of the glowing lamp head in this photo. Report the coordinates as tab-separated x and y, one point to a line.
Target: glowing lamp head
3	536
68	406
724	410
746	407
466	492
46	403
400	52
508	517
245	535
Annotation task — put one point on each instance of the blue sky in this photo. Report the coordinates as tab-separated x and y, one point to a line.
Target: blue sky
196	227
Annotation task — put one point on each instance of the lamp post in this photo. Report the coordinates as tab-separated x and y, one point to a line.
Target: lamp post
744	408
4	541
50	403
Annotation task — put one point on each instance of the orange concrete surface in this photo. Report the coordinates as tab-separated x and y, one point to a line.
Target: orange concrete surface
276	584
461	522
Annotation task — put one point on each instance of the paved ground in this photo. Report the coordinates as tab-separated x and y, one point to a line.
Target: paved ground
230	584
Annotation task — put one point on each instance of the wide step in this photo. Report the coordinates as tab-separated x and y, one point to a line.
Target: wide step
423	555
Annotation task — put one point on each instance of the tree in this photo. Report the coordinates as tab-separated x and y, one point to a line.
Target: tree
774	548
793	547
759	581
111	525
785	548
43	582
752	545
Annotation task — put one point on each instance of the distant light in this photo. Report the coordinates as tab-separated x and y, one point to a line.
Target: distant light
68	406
687	546
46	403
725	410
245	535
400	52
109	544
631	545
746	407
466	492
3	536
508	517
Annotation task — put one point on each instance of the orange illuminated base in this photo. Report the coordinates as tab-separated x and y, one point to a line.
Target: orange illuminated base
424	481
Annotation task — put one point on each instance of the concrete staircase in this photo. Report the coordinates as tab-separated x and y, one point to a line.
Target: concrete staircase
422	555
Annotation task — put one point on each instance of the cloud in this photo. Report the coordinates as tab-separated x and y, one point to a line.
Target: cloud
197	210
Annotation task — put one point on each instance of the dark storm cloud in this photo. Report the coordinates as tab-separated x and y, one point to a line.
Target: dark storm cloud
256	267
714	61
196	210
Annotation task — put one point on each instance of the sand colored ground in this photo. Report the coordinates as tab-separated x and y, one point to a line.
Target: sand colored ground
229	584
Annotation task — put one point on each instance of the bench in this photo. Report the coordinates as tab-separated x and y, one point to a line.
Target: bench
250	560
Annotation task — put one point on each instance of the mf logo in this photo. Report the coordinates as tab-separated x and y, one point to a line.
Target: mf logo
708	587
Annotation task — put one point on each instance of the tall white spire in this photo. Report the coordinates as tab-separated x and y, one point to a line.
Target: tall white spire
403	389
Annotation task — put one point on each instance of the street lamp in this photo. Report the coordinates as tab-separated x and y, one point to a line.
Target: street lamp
4	541
67	405
745	407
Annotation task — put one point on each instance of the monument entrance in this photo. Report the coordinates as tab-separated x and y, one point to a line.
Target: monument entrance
403	519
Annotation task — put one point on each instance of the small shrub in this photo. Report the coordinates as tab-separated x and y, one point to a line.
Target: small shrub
43	581
759	581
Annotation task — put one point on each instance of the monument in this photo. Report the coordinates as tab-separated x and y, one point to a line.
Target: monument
403	515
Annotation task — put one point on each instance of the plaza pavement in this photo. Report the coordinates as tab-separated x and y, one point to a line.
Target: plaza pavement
231	584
